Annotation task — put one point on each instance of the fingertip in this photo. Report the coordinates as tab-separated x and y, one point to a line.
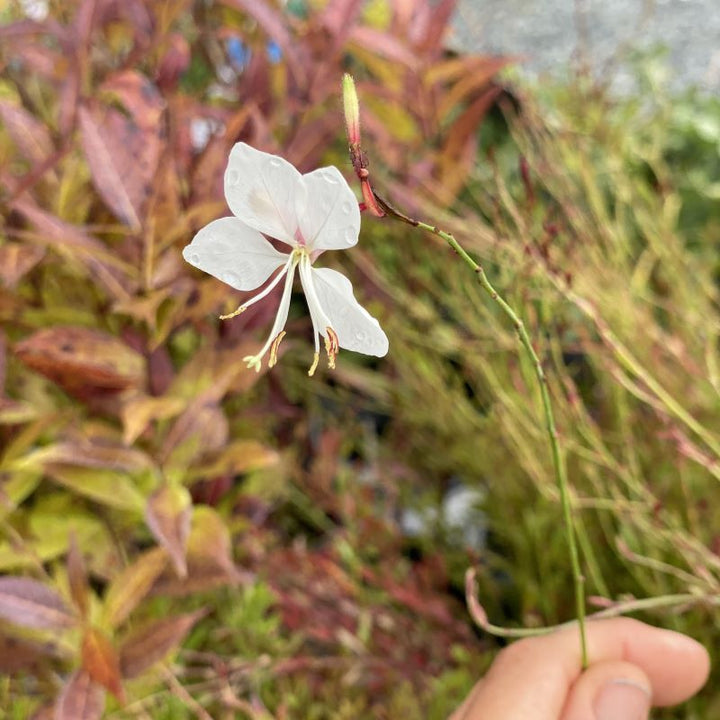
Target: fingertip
611	690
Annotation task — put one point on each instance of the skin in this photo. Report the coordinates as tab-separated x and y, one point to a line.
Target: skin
541	679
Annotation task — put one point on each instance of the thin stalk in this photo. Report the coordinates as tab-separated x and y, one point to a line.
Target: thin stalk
614	610
558	464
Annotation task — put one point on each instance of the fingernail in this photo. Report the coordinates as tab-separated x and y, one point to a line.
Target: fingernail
622	700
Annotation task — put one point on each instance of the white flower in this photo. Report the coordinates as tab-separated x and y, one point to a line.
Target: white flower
311	213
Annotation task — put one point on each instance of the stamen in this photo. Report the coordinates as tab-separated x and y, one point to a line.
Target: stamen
276	334
331	346
274	349
253	361
313	367
264	293
241	309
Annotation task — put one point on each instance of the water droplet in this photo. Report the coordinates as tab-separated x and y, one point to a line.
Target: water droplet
233	177
349	235
230	278
361	336
347	207
194	259
330	179
275	162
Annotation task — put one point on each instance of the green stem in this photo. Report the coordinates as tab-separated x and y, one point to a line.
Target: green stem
559	466
614	610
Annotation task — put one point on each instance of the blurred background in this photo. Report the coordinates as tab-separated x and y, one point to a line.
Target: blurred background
181	537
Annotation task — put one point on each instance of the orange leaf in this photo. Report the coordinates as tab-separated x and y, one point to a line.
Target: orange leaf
100	661
80	699
152	642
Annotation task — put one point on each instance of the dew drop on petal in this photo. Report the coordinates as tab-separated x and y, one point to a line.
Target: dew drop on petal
275	162
194	259
349	235
233	177
361	336
347	207
330	179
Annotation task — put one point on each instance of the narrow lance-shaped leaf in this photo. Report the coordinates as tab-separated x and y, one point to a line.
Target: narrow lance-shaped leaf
100	661
30	603
80	699
152	642
132	585
77	578
168	515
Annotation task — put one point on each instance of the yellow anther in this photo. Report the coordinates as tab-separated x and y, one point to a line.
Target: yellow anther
241	309
274	348
316	360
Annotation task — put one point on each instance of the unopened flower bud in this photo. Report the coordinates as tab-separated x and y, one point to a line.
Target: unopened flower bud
352	110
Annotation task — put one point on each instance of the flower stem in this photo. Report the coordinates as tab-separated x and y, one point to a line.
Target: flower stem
558	464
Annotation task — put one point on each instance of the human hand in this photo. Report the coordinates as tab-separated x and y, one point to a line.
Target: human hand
633	667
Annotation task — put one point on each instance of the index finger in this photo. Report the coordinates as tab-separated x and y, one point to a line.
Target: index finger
532	677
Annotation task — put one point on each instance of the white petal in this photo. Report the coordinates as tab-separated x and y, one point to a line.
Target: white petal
261	190
234	253
356	329
329	218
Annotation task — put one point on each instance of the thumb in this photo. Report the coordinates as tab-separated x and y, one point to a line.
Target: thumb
610	690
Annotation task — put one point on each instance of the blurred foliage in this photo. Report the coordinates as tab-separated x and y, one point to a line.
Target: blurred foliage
295	536
154	491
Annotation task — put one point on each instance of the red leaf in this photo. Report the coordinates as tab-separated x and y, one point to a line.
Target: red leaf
29	603
101	662
138	95
384	44
152	642
81	699
123	152
77	358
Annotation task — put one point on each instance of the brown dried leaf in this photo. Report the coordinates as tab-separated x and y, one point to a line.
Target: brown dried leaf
32	604
101	662
152	642
16	261
80	699
77	578
168	515
129	587
78	357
